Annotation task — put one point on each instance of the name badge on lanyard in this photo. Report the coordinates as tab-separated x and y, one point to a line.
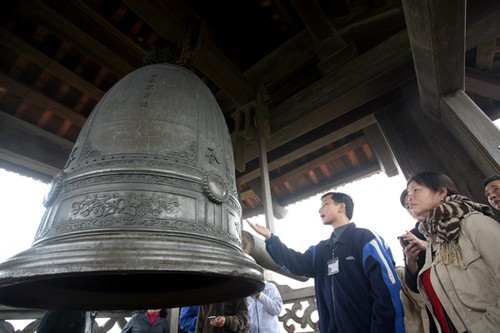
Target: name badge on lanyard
333	266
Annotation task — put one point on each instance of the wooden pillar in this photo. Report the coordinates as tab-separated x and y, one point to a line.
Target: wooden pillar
437	37
422	143
473	129
263	132
381	149
244	132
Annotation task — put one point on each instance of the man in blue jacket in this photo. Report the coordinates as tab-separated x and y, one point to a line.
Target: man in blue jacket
188	317
357	288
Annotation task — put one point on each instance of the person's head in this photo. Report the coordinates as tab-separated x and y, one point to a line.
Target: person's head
334	206
403	199
492	190
426	190
162	312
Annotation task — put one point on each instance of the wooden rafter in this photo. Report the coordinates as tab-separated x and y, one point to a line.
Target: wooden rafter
66	30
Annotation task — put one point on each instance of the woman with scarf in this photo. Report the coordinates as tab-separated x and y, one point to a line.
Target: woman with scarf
460	280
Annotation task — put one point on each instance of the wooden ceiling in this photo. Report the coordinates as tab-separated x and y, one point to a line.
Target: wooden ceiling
310	74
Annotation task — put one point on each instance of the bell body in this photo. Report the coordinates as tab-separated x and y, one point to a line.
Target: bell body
145	213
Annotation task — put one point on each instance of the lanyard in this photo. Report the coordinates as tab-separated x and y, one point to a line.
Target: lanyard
333	264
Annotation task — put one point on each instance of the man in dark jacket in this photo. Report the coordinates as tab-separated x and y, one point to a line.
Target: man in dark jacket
226	317
65	321
356	284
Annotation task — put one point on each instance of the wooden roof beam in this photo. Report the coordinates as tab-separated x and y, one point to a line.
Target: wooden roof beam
339	180
41	101
324	186
312	146
326	38
49	65
437	37
210	59
378	71
298	51
120	42
304	167
279	212
47	152
66	30
332	50
392	56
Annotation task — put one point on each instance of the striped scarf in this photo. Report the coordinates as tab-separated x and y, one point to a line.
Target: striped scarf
442	227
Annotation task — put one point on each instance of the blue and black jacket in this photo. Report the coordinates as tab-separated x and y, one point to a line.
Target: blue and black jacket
363	296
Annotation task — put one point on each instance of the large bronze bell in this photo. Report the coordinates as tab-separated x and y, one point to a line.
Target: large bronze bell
145	213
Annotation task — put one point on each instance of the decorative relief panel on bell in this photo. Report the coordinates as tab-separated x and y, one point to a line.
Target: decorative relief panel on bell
125	204
132	204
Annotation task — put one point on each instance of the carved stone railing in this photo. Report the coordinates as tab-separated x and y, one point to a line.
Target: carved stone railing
299	315
33	318
299	309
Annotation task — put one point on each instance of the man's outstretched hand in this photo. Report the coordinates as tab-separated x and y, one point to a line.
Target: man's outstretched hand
261	230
